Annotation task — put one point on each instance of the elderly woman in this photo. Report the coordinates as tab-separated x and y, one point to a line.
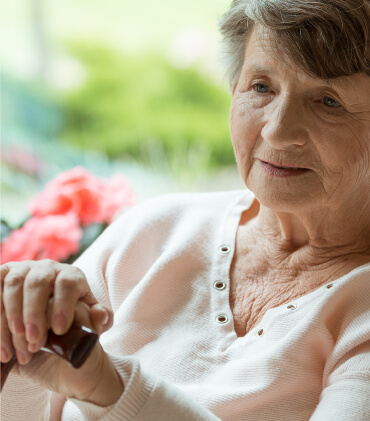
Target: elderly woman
247	305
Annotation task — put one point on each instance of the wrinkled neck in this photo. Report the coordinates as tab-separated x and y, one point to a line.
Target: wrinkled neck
314	237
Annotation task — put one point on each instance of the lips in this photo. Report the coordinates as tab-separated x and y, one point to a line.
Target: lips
281	171
285	166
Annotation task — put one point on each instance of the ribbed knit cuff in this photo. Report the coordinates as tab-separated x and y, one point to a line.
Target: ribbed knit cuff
22	399
137	389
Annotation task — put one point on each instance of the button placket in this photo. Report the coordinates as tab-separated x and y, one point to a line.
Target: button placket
220	279
222	317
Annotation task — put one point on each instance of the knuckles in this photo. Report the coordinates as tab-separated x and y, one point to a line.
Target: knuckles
13	280
37	273
72	272
38	281
69	284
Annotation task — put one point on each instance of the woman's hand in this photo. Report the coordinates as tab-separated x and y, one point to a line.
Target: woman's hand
38	295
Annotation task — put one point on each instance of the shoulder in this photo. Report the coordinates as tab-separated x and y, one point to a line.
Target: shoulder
185	201
156	230
166	223
158	218
346	316
179	217
350	295
179	205
347	308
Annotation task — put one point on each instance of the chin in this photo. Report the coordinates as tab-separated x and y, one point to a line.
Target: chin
279	202
283	198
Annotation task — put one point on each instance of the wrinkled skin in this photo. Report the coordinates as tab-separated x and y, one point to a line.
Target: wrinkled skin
278	114
28	311
283	115
301	231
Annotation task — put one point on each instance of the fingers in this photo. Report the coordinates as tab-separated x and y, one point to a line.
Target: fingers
69	288
13	324
43	294
4	269
97	317
7	349
12	286
101	318
24	356
38	287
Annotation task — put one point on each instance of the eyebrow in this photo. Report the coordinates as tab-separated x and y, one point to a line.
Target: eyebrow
255	68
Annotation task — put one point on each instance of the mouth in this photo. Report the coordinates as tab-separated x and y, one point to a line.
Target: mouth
276	170
284	166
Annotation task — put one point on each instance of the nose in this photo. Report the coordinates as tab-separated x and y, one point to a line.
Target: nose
285	123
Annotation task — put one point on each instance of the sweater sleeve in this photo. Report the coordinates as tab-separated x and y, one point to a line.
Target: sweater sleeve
346	378
146	397
114	265
21	399
346	396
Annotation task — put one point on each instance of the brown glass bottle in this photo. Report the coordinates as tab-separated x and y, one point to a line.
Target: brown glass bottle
74	347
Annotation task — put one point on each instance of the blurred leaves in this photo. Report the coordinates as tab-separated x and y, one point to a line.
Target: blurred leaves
5	229
30	107
130	105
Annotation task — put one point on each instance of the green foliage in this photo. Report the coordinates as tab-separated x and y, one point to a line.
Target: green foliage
131	105
90	234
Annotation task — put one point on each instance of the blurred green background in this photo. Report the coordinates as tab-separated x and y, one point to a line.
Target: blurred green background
116	86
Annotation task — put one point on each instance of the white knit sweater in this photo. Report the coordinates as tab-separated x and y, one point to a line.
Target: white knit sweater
156	267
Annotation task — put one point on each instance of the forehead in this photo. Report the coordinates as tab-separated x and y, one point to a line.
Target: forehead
262	58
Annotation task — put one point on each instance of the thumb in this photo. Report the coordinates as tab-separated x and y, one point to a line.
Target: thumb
101	318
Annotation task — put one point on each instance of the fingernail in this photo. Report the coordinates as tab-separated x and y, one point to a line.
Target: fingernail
59	324
106	317
17	327
32	347
32	332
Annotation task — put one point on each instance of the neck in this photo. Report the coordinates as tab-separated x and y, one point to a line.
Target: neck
315	237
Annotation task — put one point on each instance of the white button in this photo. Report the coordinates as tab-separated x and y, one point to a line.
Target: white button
220	285
329	286
260	332
222	319
224	249
291	307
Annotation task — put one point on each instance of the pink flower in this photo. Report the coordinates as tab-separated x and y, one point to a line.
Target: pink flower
75	191
53	237
23	160
78	192
118	196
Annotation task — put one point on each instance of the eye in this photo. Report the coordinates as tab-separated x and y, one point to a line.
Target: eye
330	102
261	88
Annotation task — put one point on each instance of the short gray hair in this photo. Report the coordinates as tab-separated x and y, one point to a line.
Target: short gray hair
325	38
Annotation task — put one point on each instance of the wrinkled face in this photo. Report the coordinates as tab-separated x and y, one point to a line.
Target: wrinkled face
282	115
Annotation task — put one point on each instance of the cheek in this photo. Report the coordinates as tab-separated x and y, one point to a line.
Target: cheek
344	152
245	128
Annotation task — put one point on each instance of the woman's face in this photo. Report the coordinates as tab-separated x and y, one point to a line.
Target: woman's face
281	115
